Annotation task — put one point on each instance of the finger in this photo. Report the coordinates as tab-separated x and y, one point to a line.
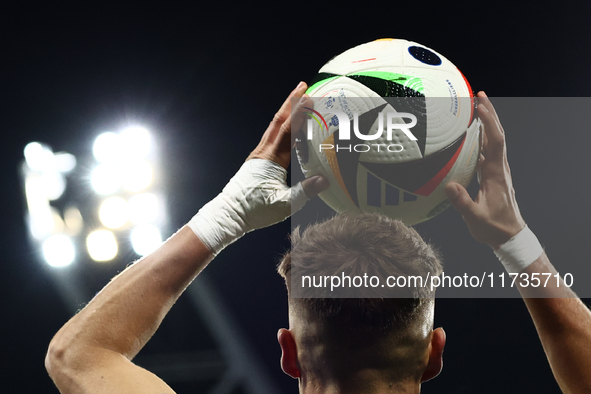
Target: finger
314	185
280	125
298	117
298	136
479	165
494	138
301	148
275	145
484	139
483	99
285	139
303	191
285	111
461	200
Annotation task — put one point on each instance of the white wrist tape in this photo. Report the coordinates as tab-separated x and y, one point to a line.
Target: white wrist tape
520	251
257	196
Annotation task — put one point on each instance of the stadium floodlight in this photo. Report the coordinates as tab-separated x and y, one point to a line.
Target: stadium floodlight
130	204
107	147
54	184
105	179
136	175
38	156
144	208
73	221
113	212
58	250
136	141
102	245
64	162
46	169
40	218
145	239
44	182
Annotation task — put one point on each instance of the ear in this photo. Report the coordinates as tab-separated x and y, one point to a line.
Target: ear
289	353
435	364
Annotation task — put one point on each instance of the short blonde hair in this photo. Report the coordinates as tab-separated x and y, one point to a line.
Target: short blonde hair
356	244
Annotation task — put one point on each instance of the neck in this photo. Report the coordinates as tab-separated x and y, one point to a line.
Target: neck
358	385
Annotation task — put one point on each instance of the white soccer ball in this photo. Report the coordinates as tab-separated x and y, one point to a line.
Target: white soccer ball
392	123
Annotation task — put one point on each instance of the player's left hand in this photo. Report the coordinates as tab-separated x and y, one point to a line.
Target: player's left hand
493	217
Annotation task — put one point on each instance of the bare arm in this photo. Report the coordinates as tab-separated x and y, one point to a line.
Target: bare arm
92	352
562	321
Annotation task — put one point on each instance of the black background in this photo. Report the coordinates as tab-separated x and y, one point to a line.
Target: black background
208	77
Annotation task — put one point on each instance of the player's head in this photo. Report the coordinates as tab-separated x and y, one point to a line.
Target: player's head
357	340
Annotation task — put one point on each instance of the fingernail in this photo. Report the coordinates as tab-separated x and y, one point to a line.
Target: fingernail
302	83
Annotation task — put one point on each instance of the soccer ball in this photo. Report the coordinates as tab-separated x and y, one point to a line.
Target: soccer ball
392	123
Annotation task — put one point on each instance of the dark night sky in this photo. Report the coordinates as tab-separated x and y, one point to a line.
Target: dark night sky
207	80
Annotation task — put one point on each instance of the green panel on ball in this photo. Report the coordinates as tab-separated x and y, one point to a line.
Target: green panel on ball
320	79
409	81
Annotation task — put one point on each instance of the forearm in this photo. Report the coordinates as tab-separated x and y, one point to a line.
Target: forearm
563	323
127	312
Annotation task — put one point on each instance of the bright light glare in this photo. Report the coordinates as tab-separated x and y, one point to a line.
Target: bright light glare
73	221
113	212
39	157
107	147
145	239
40	215
58	222
136	175
58	250
64	162
136	141
105	179
143	208
102	245
54	184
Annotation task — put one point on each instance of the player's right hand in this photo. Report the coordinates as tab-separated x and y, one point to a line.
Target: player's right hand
258	195
279	138
493	217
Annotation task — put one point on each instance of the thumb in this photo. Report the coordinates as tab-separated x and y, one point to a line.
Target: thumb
305	190
314	185
460	199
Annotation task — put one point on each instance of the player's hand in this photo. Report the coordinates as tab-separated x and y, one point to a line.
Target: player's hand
258	195
493	217
278	139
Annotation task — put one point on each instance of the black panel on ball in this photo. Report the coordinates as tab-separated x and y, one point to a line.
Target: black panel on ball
424	55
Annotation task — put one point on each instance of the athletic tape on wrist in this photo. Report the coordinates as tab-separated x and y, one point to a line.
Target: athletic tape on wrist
520	251
257	196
